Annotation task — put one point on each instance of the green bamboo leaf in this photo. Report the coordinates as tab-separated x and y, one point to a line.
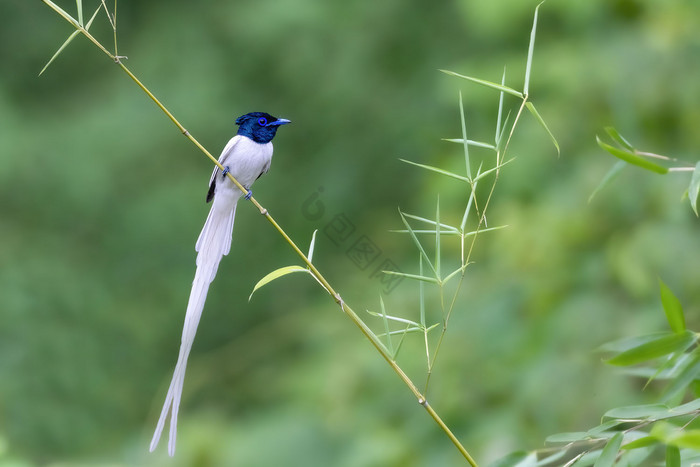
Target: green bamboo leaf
617	137
408	329
641	442
311	246
459	270
531	51
276	274
673	308
464	136
393	318
673	456
686	408
60	49
414	277
386	327
609	454
531	107
70	38
435	169
609	177
419	245
639	412
499	128
687	375
668	344
437	238
632	158
627	343
398	346
498	167
471	142
489	84
694	188
431	222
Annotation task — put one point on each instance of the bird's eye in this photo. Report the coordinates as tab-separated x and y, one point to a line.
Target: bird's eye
262	121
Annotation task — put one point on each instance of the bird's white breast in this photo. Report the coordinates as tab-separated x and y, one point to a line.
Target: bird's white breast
246	161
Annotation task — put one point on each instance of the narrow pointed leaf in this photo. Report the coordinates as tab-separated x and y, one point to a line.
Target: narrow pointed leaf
60	49
435	169
79	4
418	243
489	84
398	346
470	142
609	454
464	136
632	158
453	274
531	107
531	51
672	308
311	246
617	137
383	315
493	169
668	344
694	188
639	412
438	273
609	177
386	327
431	222
673	456
641	442
415	277
499	128
276	274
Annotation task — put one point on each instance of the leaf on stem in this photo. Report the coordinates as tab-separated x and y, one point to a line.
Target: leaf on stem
464	136
489	84
632	158
276	274
435	169
531	50
694	188
665	345
419	245
617	137
531	107
687	375
609	454
71	37
672	308
499	128
471	142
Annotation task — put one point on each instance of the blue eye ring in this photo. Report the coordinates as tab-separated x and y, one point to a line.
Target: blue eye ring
262	121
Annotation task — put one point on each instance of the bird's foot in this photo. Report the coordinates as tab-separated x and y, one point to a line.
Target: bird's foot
227	169
249	194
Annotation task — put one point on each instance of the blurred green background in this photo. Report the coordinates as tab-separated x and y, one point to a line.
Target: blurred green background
102	201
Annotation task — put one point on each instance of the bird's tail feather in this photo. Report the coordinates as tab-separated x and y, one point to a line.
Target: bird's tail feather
213	243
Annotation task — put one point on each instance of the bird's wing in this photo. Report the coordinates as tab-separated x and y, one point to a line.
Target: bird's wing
228	149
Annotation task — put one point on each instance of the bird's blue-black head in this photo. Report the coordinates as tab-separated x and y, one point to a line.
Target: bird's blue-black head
259	126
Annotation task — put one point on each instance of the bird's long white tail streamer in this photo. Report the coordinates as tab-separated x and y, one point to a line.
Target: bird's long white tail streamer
214	242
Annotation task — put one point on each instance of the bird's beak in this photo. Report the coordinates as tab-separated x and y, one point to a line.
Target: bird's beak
279	121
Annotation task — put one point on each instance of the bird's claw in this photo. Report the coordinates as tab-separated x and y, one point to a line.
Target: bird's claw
227	169
248	195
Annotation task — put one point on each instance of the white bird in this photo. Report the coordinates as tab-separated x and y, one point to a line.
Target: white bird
246	156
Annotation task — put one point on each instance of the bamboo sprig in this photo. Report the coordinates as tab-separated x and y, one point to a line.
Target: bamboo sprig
77	24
